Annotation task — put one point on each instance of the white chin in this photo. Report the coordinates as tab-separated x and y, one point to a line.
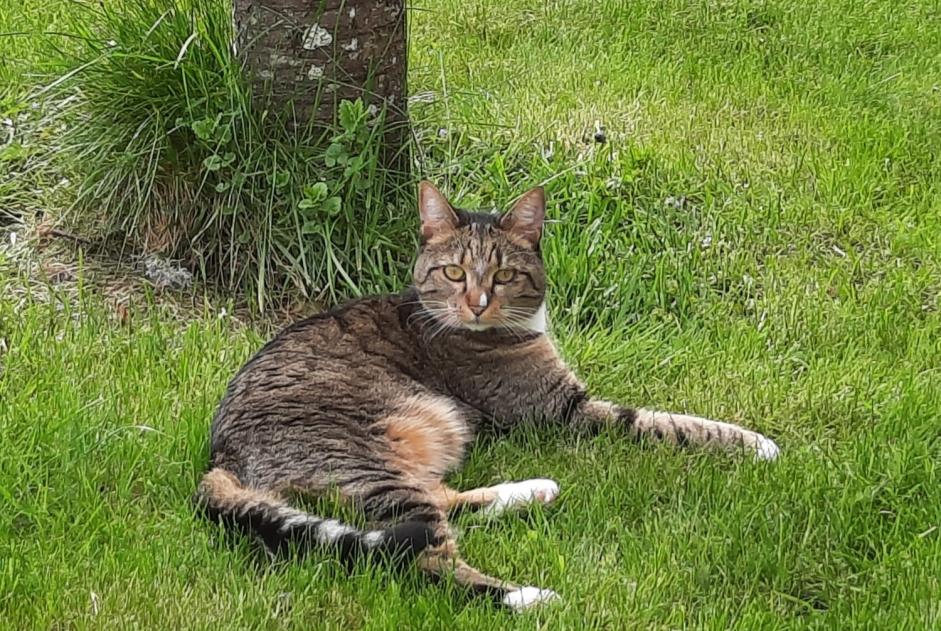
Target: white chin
477	326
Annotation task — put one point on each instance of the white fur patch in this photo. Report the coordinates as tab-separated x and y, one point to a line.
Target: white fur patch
373	538
330	530
766	449
297	519
526	597
477	326
538	323
514	494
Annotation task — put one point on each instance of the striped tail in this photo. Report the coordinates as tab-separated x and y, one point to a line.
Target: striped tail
223	498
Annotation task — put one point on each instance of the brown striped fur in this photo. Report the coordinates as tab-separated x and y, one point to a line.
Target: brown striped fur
379	399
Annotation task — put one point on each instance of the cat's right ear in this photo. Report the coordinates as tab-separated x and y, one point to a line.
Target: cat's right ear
438	219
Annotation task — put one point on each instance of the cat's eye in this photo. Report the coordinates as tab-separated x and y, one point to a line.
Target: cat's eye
504	275
454	272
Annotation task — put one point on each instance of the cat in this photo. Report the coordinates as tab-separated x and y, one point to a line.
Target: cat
379	399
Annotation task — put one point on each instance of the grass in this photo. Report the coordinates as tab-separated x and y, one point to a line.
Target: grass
758	241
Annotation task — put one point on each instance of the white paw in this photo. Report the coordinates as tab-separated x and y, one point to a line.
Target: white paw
513	494
526	597
766	449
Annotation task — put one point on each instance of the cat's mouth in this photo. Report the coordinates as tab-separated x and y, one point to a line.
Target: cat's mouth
484	315
475	321
460	316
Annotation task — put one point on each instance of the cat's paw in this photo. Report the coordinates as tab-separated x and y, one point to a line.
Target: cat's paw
515	494
765	448
526	597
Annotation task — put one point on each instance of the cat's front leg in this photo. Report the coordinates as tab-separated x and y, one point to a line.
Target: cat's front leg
678	429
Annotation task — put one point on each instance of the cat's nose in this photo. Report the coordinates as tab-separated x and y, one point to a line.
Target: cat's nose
477	302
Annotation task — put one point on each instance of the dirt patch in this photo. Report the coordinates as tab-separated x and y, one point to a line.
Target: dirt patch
46	264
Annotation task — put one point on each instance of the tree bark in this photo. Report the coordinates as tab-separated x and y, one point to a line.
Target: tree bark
311	54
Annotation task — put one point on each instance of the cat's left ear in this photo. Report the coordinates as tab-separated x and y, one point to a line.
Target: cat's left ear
437	217
524	221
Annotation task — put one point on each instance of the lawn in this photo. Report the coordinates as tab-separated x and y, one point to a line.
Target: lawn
759	240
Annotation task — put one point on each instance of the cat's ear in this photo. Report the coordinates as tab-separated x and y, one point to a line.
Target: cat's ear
524	221
437	216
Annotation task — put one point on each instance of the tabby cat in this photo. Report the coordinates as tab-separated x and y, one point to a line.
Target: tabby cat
380	398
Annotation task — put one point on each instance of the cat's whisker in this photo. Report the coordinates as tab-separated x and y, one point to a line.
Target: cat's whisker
428	313
518	330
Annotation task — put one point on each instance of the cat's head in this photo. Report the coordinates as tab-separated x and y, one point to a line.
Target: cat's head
479	271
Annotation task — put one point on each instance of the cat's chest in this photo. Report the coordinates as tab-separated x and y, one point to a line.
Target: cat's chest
498	379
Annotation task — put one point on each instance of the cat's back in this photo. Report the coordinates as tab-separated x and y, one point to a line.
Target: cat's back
343	354
348	328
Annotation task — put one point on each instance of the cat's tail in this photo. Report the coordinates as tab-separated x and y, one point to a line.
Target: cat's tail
224	498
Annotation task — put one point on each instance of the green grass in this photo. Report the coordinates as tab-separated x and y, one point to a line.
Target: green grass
760	241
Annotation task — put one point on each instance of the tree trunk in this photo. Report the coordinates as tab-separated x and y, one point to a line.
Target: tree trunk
312	54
